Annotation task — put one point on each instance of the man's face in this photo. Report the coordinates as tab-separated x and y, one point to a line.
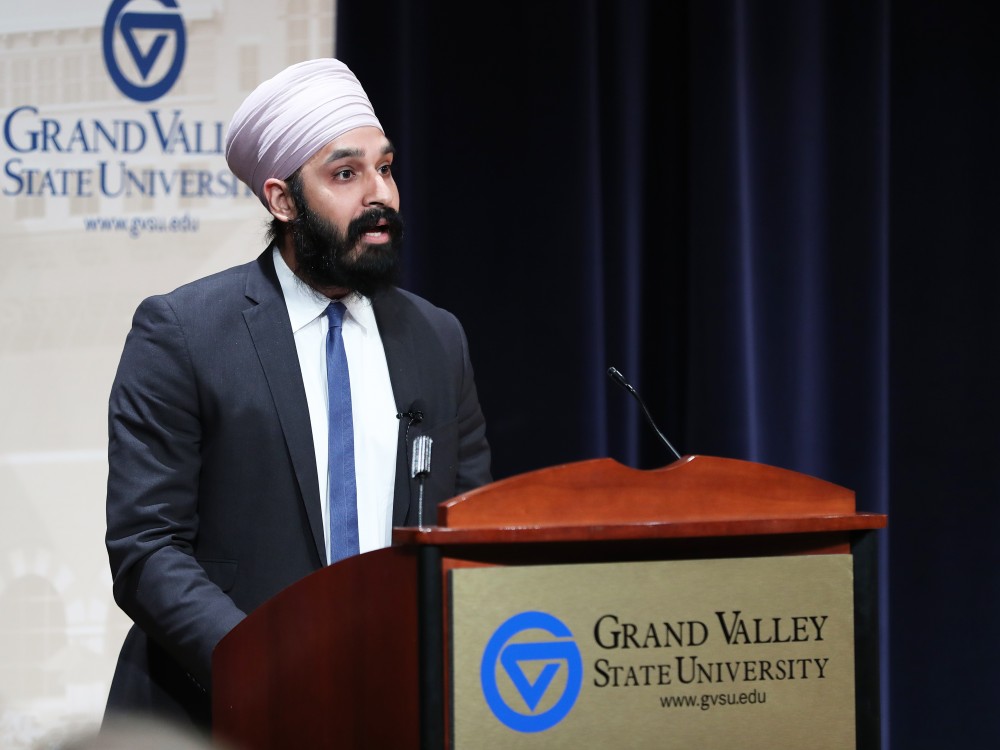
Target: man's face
347	228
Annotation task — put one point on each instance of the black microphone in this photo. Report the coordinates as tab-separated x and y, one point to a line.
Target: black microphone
414	414
620	379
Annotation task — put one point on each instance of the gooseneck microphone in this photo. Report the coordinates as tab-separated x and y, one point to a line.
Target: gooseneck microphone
620	380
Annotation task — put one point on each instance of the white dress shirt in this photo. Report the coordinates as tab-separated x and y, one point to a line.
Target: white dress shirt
372	402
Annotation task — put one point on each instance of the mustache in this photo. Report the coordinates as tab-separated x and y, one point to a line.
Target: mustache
370	219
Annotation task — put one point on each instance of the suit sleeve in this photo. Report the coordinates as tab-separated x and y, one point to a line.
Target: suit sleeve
155	433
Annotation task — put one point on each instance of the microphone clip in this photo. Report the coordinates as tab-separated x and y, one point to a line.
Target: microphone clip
415	417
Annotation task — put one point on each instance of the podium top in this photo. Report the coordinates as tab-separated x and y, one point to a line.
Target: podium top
720	495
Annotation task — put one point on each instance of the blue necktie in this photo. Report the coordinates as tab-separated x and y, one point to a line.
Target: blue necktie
343	486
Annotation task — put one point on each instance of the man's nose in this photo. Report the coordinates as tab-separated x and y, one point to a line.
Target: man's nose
379	191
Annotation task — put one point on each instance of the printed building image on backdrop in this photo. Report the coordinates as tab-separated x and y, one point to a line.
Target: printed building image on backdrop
113	187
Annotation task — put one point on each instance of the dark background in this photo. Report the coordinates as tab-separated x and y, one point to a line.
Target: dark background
777	219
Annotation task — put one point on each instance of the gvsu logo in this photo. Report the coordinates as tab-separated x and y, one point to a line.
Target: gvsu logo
531	672
144	51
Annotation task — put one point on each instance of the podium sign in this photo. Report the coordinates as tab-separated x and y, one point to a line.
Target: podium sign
712	653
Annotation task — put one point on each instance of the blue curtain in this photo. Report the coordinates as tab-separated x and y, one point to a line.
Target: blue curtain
777	219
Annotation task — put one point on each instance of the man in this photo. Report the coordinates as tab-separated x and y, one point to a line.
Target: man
223	486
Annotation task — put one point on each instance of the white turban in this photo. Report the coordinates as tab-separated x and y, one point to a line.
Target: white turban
290	117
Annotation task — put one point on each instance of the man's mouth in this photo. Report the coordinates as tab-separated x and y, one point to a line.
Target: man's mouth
377	233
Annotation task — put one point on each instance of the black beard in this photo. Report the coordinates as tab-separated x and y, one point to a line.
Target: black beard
326	257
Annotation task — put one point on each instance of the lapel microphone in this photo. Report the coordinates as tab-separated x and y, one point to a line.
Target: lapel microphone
414	415
420	452
620	380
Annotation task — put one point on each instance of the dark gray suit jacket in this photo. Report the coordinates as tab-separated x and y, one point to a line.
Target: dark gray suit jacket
213	501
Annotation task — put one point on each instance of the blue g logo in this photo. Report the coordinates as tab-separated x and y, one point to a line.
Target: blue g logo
155	30
551	655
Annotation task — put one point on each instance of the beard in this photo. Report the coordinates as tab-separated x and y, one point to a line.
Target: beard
326	257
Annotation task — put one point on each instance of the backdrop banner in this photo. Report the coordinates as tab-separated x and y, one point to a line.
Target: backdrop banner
113	186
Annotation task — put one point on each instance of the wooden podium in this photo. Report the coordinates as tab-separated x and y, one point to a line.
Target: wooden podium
360	654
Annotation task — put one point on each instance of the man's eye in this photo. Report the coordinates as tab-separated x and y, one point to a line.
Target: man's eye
385	169
343	174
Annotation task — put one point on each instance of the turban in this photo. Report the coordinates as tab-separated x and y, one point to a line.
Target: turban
288	118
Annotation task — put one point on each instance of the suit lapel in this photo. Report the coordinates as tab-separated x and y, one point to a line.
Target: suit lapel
271	332
401	352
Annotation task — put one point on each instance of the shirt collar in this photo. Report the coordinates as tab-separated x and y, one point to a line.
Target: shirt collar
305	304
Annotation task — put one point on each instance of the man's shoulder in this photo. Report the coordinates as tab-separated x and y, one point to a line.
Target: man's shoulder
236	282
214	298
402	303
233	276
403	297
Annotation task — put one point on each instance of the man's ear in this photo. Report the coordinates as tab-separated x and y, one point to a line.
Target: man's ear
279	199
